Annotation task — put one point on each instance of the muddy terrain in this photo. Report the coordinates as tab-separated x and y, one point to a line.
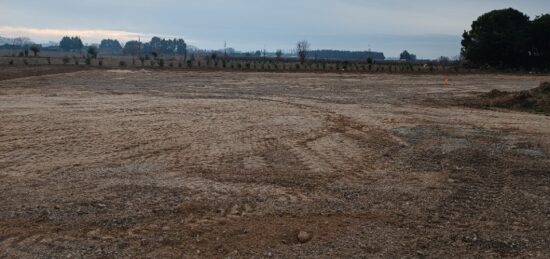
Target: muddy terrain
120	163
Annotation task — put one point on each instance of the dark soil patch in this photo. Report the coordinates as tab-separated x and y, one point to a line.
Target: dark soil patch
13	72
533	100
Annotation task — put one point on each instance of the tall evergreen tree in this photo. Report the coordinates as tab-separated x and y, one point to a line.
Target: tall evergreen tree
500	38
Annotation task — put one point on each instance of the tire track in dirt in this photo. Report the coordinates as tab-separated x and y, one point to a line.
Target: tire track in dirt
154	173
14	243
344	149
477	192
477	187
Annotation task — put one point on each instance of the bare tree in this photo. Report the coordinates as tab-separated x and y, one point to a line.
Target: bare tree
302	47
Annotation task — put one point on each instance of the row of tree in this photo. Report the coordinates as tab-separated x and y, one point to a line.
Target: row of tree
71	44
109	46
156	46
346	55
405	55
508	39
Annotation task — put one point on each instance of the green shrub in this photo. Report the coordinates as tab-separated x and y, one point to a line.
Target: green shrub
10	62
92	52
122	63
65	60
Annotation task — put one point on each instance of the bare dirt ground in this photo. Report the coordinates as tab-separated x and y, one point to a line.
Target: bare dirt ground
12	72
213	165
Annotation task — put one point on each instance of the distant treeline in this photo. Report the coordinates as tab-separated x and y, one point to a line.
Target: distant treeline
71	44
345	55
156	46
160	46
109	46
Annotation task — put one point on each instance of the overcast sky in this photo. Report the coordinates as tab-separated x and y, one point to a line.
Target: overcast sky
429	28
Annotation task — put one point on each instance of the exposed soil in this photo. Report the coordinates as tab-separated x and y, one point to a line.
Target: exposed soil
533	100
12	72
106	163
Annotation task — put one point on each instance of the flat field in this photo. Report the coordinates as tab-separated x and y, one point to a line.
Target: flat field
138	163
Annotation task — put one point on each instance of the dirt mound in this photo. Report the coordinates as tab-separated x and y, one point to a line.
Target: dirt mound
533	100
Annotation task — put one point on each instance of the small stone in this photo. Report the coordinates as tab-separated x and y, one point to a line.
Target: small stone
94	232
304	237
234	210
